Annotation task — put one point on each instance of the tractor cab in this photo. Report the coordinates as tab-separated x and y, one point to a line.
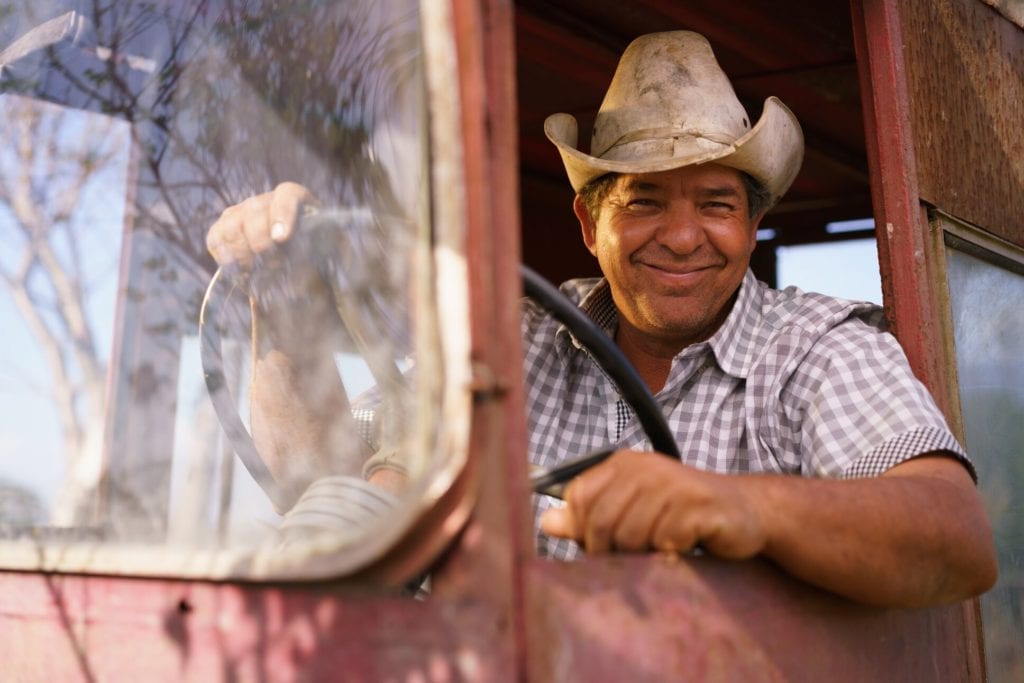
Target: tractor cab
143	534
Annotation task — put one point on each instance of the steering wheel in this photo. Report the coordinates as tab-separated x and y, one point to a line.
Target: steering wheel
348	252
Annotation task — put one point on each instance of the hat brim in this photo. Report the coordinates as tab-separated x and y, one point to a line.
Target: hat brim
772	152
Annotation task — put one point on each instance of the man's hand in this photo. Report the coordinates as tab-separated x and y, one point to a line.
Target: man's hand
257	224
917	535
645	501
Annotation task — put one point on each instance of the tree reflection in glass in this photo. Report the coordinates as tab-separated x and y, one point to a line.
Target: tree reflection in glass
175	111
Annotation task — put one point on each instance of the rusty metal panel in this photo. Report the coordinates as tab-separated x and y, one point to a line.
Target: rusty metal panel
965	76
700	619
912	303
68	628
910	67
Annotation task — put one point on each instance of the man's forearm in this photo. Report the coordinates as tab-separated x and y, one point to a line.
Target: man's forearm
301	418
916	536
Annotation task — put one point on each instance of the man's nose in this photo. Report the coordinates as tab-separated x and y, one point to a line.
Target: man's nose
681	231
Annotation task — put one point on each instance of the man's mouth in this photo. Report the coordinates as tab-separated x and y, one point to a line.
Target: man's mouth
677	271
676	268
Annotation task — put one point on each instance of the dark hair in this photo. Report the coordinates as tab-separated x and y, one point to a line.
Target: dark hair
758	197
594	193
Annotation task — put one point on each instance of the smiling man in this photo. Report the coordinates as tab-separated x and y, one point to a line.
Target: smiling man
804	436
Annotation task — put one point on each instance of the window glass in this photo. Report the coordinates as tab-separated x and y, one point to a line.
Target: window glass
128	127
988	327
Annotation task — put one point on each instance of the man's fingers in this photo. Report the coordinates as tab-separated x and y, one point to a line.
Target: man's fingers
639	501
256	224
256	229
226	241
232	237
582	494
609	510
635	530
574	521
672	535
286	203
220	251
558	522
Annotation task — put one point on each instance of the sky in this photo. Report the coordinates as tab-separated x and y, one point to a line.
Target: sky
30	441
847	269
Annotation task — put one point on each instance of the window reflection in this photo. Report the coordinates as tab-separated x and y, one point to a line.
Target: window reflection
989	331
136	124
63	184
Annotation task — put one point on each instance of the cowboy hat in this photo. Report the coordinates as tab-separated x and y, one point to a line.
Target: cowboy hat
671	105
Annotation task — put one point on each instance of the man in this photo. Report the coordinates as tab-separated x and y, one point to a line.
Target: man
758	385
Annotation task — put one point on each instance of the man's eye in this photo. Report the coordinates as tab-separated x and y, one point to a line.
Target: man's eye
719	206
641	202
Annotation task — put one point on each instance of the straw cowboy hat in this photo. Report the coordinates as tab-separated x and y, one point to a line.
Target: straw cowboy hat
671	105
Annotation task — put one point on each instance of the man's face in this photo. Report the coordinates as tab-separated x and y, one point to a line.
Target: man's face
674	246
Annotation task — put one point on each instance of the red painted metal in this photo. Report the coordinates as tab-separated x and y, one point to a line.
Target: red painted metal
906	248
486	565
700	619
70	628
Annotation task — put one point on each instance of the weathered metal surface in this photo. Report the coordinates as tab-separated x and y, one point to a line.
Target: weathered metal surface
965	80
911	280
497	614
665	619
485	564
68	628
909	283
944	84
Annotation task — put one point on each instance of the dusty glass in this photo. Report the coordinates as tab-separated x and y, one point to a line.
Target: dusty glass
127	128
987	304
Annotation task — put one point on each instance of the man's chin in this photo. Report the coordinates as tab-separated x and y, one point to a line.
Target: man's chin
689	324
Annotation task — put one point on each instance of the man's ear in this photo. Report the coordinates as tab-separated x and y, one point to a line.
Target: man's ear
587	225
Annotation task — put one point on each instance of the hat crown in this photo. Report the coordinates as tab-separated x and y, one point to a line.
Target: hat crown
667	85
671	105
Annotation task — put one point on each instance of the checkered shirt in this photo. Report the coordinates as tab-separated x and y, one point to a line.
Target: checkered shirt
791	383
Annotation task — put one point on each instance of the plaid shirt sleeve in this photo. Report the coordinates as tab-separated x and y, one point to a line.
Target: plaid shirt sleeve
859	409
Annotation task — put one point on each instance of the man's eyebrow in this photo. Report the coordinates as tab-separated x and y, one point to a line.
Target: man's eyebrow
639	184
721	191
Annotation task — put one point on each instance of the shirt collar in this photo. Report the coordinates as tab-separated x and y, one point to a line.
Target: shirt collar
734	344
599	307
595	300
